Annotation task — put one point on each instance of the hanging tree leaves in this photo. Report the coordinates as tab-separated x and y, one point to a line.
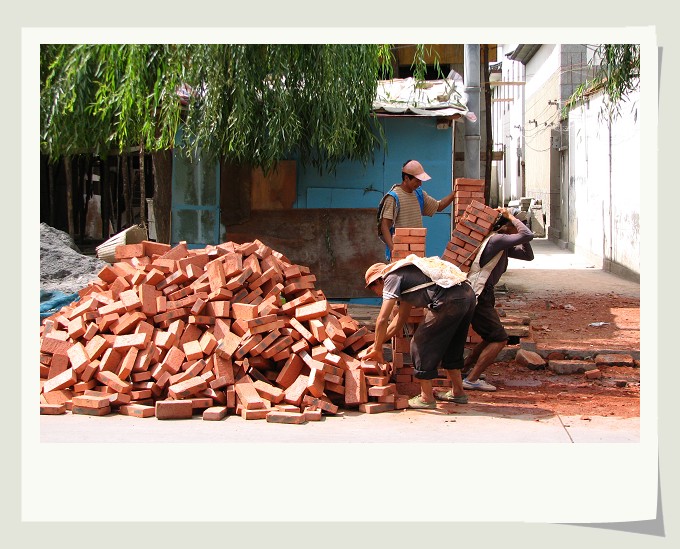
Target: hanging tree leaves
253	103
616	69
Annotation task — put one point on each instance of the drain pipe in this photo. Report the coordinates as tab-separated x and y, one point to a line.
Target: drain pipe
472	90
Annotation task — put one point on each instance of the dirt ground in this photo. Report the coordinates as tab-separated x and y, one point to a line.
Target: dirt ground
565	322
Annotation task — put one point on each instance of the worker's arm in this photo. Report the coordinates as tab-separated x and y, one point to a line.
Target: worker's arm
520	245
399	320
375	351
385	225
444	202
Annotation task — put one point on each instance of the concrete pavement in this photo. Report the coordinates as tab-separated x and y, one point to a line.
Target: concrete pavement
458	424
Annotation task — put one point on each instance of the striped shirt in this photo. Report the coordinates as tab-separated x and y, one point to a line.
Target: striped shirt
409	208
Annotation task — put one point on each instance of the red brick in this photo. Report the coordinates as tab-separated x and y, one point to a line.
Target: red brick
215	413
296	391
278	416
376	407
312	414
266	342
245	311
58	364
199	402
137	410
355	387
112	380
173	360
228	345
218	309
593	374
321	403
111	360
290	371
614	359
192	350
87	411
52	409
187	388
248	396
128	363
207	343
174	409
268	391
316	382
50	344
91	401
237	282
378	391
245	413
530	359
64	380
57	396
309	311
84	386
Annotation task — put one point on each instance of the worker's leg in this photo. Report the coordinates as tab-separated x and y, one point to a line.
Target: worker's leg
486	358
488	325
426	390
473	356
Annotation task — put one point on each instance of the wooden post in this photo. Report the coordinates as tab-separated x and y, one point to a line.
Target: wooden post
68	175
142	186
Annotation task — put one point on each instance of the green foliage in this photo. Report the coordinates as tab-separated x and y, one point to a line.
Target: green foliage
252	103
616	72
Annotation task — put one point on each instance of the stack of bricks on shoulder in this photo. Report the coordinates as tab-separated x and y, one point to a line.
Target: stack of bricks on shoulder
233	329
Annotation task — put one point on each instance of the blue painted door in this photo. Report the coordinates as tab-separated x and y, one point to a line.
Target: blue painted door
195	216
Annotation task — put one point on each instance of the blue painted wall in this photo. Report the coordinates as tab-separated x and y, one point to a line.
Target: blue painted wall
356	186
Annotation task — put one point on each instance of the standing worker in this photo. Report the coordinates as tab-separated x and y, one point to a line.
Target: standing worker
405	204
511	238
440	338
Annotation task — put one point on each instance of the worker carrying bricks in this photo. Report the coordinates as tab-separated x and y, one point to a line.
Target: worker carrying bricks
510	238
405	204
441	288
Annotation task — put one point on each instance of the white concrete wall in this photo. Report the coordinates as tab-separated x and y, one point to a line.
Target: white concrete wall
509	121
604	169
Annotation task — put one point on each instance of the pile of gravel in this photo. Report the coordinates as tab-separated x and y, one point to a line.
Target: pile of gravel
63	267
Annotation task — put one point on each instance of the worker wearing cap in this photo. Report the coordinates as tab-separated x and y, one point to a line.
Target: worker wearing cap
438	339
409	212
510	238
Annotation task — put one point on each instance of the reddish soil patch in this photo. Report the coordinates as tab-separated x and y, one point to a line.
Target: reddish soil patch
577	321
565	322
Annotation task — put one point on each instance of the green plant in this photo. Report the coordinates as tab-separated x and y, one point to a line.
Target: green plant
616	73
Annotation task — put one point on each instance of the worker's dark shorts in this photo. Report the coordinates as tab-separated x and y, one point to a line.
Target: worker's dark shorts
486	321
440	337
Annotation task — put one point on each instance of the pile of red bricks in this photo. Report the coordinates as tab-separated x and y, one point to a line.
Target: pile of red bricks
470	231
169	332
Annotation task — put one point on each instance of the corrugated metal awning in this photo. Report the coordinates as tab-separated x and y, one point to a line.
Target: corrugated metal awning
438	98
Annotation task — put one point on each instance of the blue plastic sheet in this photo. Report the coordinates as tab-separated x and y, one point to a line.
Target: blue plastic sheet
51	301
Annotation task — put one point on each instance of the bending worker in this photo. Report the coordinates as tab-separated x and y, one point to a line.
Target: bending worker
440	337
510	238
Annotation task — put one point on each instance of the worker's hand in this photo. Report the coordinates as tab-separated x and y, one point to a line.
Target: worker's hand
505	212
375	354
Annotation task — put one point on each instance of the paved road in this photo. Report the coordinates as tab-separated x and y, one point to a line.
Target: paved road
555	269
458	425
